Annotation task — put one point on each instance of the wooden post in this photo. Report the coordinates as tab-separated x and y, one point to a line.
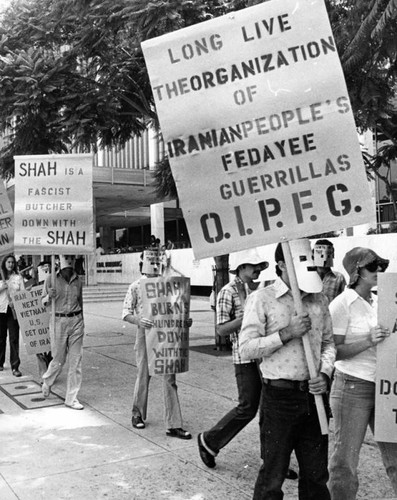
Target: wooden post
322	417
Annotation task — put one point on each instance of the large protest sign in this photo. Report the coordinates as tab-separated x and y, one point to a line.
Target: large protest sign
258	127
54	204
6	222
386	361
167	303
33	319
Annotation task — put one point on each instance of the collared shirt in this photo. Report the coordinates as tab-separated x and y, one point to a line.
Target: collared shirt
15	284
269	310
353	317
69	296
333	284
229	306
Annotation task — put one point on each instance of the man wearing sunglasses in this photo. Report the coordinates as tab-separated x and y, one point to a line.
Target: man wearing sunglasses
357	332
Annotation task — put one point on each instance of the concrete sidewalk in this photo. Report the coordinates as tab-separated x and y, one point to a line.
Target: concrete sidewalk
51	452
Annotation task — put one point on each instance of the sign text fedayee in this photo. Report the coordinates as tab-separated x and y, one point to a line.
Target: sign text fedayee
258	127
386	361
54	204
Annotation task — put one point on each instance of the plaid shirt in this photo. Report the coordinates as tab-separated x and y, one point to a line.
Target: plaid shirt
333	284
228	308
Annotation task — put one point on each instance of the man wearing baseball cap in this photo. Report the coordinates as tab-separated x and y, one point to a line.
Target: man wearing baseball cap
272	331
246	266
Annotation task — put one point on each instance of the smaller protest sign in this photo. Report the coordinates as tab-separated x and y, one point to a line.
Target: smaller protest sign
386	362
54	204
6	222
33	319
167	303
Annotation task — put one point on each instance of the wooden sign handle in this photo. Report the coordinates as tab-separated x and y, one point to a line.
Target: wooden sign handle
296	294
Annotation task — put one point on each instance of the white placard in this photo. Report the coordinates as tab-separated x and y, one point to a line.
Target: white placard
258	127
54	204
386	361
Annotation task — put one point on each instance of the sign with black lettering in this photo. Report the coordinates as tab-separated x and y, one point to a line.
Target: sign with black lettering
253	106
54	204
166	301
6	223
386	361
33	319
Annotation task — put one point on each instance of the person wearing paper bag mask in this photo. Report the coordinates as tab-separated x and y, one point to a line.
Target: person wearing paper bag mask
333	282
132	313
357	332
67	339
272	332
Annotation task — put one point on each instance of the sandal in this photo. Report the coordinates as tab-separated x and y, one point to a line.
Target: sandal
178	433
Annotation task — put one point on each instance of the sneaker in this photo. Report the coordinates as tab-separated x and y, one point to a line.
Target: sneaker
76	405
137	422
205	455
16	373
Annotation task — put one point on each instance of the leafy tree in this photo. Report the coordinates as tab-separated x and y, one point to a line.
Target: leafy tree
72	72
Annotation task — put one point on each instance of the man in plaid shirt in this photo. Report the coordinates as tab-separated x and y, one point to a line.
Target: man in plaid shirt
246	265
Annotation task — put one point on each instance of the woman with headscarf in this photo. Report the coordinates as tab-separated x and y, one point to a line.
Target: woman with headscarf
11	283
357	332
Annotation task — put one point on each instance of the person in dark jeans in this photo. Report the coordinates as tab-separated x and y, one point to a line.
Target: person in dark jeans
247	266
272	332
11	283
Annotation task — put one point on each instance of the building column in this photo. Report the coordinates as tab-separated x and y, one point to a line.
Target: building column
157	221
107	237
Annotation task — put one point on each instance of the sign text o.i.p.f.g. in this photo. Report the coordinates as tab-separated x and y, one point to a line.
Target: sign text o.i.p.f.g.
337	201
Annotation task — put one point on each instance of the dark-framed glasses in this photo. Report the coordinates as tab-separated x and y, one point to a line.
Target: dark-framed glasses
372	267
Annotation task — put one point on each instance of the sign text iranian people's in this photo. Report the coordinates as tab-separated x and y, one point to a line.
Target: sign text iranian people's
258	127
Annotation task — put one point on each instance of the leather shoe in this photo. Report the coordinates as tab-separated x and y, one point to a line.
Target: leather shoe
137	422
206	457
178	433
291	474
16	373
76	405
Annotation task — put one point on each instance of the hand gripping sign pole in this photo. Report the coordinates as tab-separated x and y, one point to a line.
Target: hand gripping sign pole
296	294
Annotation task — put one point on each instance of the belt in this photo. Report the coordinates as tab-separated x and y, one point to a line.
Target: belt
67	315
294	385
